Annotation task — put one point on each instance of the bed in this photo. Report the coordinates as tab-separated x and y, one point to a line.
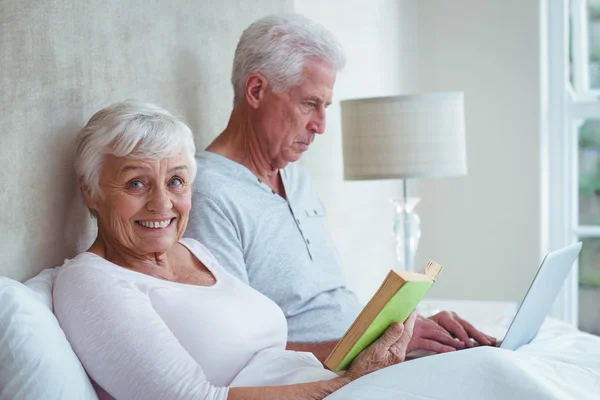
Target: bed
560	363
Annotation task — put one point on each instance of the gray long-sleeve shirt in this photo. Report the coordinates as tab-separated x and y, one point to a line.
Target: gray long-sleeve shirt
280	247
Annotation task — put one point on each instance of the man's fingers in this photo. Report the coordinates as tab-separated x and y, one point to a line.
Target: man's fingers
457	330
432	345
473	332
432	329
492	339
440	335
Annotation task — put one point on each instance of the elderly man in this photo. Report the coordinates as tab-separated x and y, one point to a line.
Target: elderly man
255	208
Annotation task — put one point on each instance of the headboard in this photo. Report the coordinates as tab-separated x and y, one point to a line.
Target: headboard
62	60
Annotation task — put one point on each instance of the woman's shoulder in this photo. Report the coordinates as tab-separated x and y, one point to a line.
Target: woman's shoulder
199	251
81	262
83	271
195	246
204	255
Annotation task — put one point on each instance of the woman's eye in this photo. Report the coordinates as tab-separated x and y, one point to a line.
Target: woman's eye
136	184
175	182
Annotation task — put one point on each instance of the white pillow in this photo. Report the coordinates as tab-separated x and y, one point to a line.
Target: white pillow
42	285
36	361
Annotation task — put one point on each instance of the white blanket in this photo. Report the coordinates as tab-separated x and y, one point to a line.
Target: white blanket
560	363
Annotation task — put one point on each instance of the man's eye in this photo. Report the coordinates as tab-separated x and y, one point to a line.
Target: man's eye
136	184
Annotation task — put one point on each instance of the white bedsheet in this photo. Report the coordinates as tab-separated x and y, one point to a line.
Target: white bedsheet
560	363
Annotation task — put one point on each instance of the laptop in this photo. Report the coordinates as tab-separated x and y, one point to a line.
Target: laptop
540	297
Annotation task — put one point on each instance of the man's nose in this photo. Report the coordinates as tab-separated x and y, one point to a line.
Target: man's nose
319	122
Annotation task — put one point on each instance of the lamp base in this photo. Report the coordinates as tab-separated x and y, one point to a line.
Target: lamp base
407	231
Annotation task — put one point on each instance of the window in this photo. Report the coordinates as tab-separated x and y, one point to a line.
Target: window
573	150
588	226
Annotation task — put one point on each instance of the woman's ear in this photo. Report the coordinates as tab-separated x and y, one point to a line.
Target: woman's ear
88	199
256	84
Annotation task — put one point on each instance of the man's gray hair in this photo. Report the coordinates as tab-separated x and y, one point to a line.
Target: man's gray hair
130	129
279	46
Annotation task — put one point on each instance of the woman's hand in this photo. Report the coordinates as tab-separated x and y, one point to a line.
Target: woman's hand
388	350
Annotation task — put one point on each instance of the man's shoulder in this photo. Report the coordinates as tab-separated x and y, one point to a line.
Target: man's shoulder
216	176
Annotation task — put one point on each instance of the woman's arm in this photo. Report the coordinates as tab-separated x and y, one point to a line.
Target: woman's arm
122	342
388	350
321	350
129	351
303	391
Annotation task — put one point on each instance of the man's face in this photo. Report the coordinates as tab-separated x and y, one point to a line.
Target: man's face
288	121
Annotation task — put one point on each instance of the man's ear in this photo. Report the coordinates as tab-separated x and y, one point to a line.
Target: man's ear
256	86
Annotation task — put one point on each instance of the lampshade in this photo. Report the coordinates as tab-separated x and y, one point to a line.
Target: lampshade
411	136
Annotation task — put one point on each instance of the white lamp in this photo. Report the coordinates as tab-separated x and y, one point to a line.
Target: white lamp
402	137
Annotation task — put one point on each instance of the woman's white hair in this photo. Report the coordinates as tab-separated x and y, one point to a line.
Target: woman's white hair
130	129
279	46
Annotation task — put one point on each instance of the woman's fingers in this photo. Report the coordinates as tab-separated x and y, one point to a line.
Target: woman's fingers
399	348
378	355
409	324
391	335
389	349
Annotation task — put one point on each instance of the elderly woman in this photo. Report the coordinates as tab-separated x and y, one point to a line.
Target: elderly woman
154	316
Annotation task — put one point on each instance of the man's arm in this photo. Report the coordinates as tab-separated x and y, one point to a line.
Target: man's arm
320	349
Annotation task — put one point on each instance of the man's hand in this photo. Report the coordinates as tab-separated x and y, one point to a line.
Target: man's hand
429	335
446	332
461	329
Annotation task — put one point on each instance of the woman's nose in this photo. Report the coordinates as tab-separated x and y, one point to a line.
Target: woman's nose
159	200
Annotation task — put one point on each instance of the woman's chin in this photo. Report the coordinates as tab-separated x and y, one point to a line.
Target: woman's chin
157	245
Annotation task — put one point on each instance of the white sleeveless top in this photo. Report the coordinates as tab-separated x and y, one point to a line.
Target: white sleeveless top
140	337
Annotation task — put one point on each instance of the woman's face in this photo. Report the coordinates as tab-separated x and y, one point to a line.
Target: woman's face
145	203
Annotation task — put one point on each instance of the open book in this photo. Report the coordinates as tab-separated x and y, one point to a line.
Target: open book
395	299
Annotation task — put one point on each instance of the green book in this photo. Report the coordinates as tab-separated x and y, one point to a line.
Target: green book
395	299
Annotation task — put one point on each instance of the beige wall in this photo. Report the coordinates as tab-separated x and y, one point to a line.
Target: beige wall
486	226
60	61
